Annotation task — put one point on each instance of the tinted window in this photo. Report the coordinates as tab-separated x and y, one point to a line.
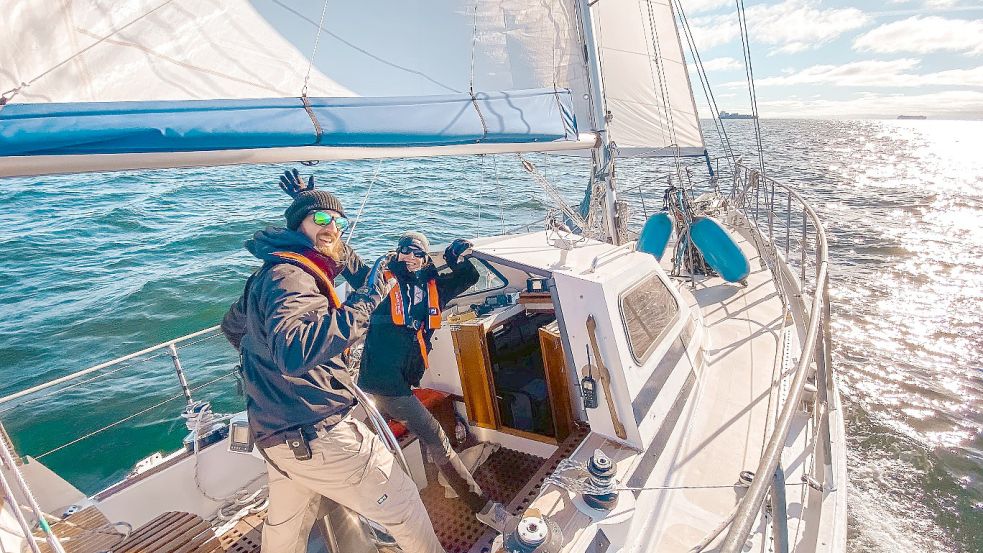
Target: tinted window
488	278
647	310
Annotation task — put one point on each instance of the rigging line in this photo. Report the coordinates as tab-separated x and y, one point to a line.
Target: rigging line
749	72
556	66
498	188
317	40
474	99
652	73
707	89
28	83
665	91
358	216
481	186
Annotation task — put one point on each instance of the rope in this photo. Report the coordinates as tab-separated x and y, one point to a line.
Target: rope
474	98
552	192
481	186
310	62
310	113
4	98
358	216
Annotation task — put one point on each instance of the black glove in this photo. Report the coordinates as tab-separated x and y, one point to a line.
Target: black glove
291	183
454	252
376	285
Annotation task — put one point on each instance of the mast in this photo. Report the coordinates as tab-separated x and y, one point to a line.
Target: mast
601	155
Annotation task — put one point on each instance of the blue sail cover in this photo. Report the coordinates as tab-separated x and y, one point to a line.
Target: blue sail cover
524	116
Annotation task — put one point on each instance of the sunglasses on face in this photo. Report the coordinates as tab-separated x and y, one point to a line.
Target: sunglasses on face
323	219
414	251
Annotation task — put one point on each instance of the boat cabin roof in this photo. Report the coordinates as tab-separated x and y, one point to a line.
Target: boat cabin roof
545	253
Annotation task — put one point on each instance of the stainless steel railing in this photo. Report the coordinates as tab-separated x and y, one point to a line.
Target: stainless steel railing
784	221
35	394
169	348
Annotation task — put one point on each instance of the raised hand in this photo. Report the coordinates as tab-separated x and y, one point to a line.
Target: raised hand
291	183
456	249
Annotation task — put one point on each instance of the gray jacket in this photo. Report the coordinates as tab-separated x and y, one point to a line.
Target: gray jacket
292	343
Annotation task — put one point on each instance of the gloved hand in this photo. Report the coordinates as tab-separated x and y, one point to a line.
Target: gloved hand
454	252
291	183
376	285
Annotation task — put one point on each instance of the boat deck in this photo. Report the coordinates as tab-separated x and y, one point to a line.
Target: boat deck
726	424
720	432
734	409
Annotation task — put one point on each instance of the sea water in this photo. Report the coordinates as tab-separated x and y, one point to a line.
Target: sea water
97	266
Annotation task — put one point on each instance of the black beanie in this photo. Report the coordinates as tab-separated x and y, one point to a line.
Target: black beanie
308	201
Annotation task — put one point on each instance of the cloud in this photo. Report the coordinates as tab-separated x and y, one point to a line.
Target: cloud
790	26
722	64
923	35
697	6
947	104
872	73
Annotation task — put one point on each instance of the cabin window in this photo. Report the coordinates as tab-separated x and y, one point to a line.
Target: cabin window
648	309
488	278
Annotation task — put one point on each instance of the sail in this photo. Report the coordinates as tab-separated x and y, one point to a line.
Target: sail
646	85
180	50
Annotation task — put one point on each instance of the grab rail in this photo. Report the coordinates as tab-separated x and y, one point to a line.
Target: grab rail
816	348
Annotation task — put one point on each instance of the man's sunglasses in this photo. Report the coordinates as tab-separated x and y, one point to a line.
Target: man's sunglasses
324	219
416	252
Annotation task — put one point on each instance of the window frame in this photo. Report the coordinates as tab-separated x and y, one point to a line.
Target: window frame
494	271
641	359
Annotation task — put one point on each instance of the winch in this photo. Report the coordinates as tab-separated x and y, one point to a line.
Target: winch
601	471
533	532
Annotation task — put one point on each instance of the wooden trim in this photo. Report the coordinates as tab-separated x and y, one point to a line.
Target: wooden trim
473	363
555	367
527	435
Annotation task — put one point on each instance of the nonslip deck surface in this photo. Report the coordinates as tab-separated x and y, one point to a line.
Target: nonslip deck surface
453	520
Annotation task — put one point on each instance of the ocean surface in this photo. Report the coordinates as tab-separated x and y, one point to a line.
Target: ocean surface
98	266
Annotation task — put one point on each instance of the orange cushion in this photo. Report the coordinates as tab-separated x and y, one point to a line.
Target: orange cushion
429	398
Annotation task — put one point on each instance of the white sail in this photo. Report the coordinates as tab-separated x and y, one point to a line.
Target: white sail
102	51
149	50
646	86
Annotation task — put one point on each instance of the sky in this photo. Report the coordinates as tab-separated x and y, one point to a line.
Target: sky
844	59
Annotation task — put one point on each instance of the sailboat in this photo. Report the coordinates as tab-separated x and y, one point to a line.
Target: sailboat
655	408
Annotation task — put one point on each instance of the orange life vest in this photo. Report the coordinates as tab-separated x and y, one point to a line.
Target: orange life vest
315	266
398	312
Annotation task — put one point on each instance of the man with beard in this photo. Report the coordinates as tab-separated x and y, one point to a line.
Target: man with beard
396	355
293	334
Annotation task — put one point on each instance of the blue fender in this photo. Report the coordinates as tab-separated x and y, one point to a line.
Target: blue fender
720	249
655	235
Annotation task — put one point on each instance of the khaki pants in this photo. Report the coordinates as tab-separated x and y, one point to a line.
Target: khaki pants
350	466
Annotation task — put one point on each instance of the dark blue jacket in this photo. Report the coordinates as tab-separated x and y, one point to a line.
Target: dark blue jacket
391	361
291	341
